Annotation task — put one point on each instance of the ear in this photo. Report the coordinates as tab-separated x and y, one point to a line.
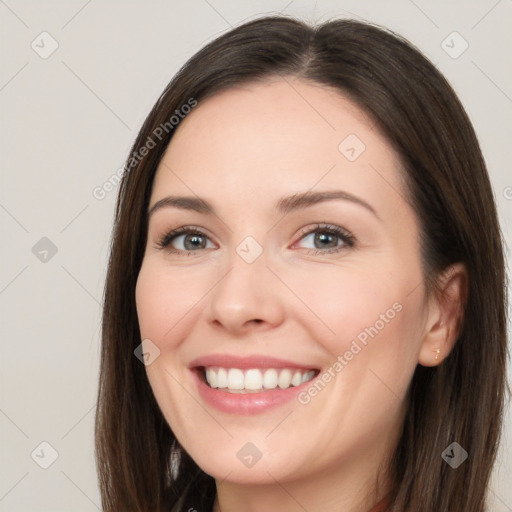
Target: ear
445	314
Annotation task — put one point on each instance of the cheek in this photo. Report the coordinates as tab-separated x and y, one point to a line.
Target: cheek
373	334
372	316
343	299
165	304
165	312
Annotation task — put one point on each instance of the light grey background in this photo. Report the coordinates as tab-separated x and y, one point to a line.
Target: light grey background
68	121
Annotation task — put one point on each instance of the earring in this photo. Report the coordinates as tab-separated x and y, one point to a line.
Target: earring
437	354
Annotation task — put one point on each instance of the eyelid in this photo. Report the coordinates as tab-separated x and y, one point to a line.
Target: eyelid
349	240
170	235
323	226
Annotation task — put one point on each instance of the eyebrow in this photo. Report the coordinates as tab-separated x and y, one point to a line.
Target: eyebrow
284	206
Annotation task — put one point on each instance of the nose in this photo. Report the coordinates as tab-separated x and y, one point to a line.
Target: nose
247	297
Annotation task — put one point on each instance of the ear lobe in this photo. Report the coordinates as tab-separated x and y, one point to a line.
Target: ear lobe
446	310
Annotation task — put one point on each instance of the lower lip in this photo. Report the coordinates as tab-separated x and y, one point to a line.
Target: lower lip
246	403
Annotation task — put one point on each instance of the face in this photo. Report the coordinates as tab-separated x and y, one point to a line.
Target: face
290	277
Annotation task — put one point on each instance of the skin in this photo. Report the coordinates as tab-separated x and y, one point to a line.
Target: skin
242	150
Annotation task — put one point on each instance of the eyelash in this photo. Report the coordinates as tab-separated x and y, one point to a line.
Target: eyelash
347	238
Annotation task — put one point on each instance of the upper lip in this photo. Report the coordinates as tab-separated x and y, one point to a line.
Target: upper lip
246	362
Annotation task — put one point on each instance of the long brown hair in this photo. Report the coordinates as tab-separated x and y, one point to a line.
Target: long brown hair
418	112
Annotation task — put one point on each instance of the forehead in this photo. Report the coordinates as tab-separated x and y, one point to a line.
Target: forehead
282	135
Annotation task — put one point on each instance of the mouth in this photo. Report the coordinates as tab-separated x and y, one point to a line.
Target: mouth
251	384
254	380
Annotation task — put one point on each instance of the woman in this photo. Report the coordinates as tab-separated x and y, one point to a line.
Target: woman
305	299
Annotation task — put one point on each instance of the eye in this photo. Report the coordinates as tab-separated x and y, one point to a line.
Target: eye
327	238
190	238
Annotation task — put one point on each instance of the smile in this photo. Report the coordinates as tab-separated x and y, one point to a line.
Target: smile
252	384
255	380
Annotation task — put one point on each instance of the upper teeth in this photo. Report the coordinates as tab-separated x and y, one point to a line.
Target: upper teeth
235	379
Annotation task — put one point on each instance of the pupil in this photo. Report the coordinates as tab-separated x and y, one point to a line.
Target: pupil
194	239
324	237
